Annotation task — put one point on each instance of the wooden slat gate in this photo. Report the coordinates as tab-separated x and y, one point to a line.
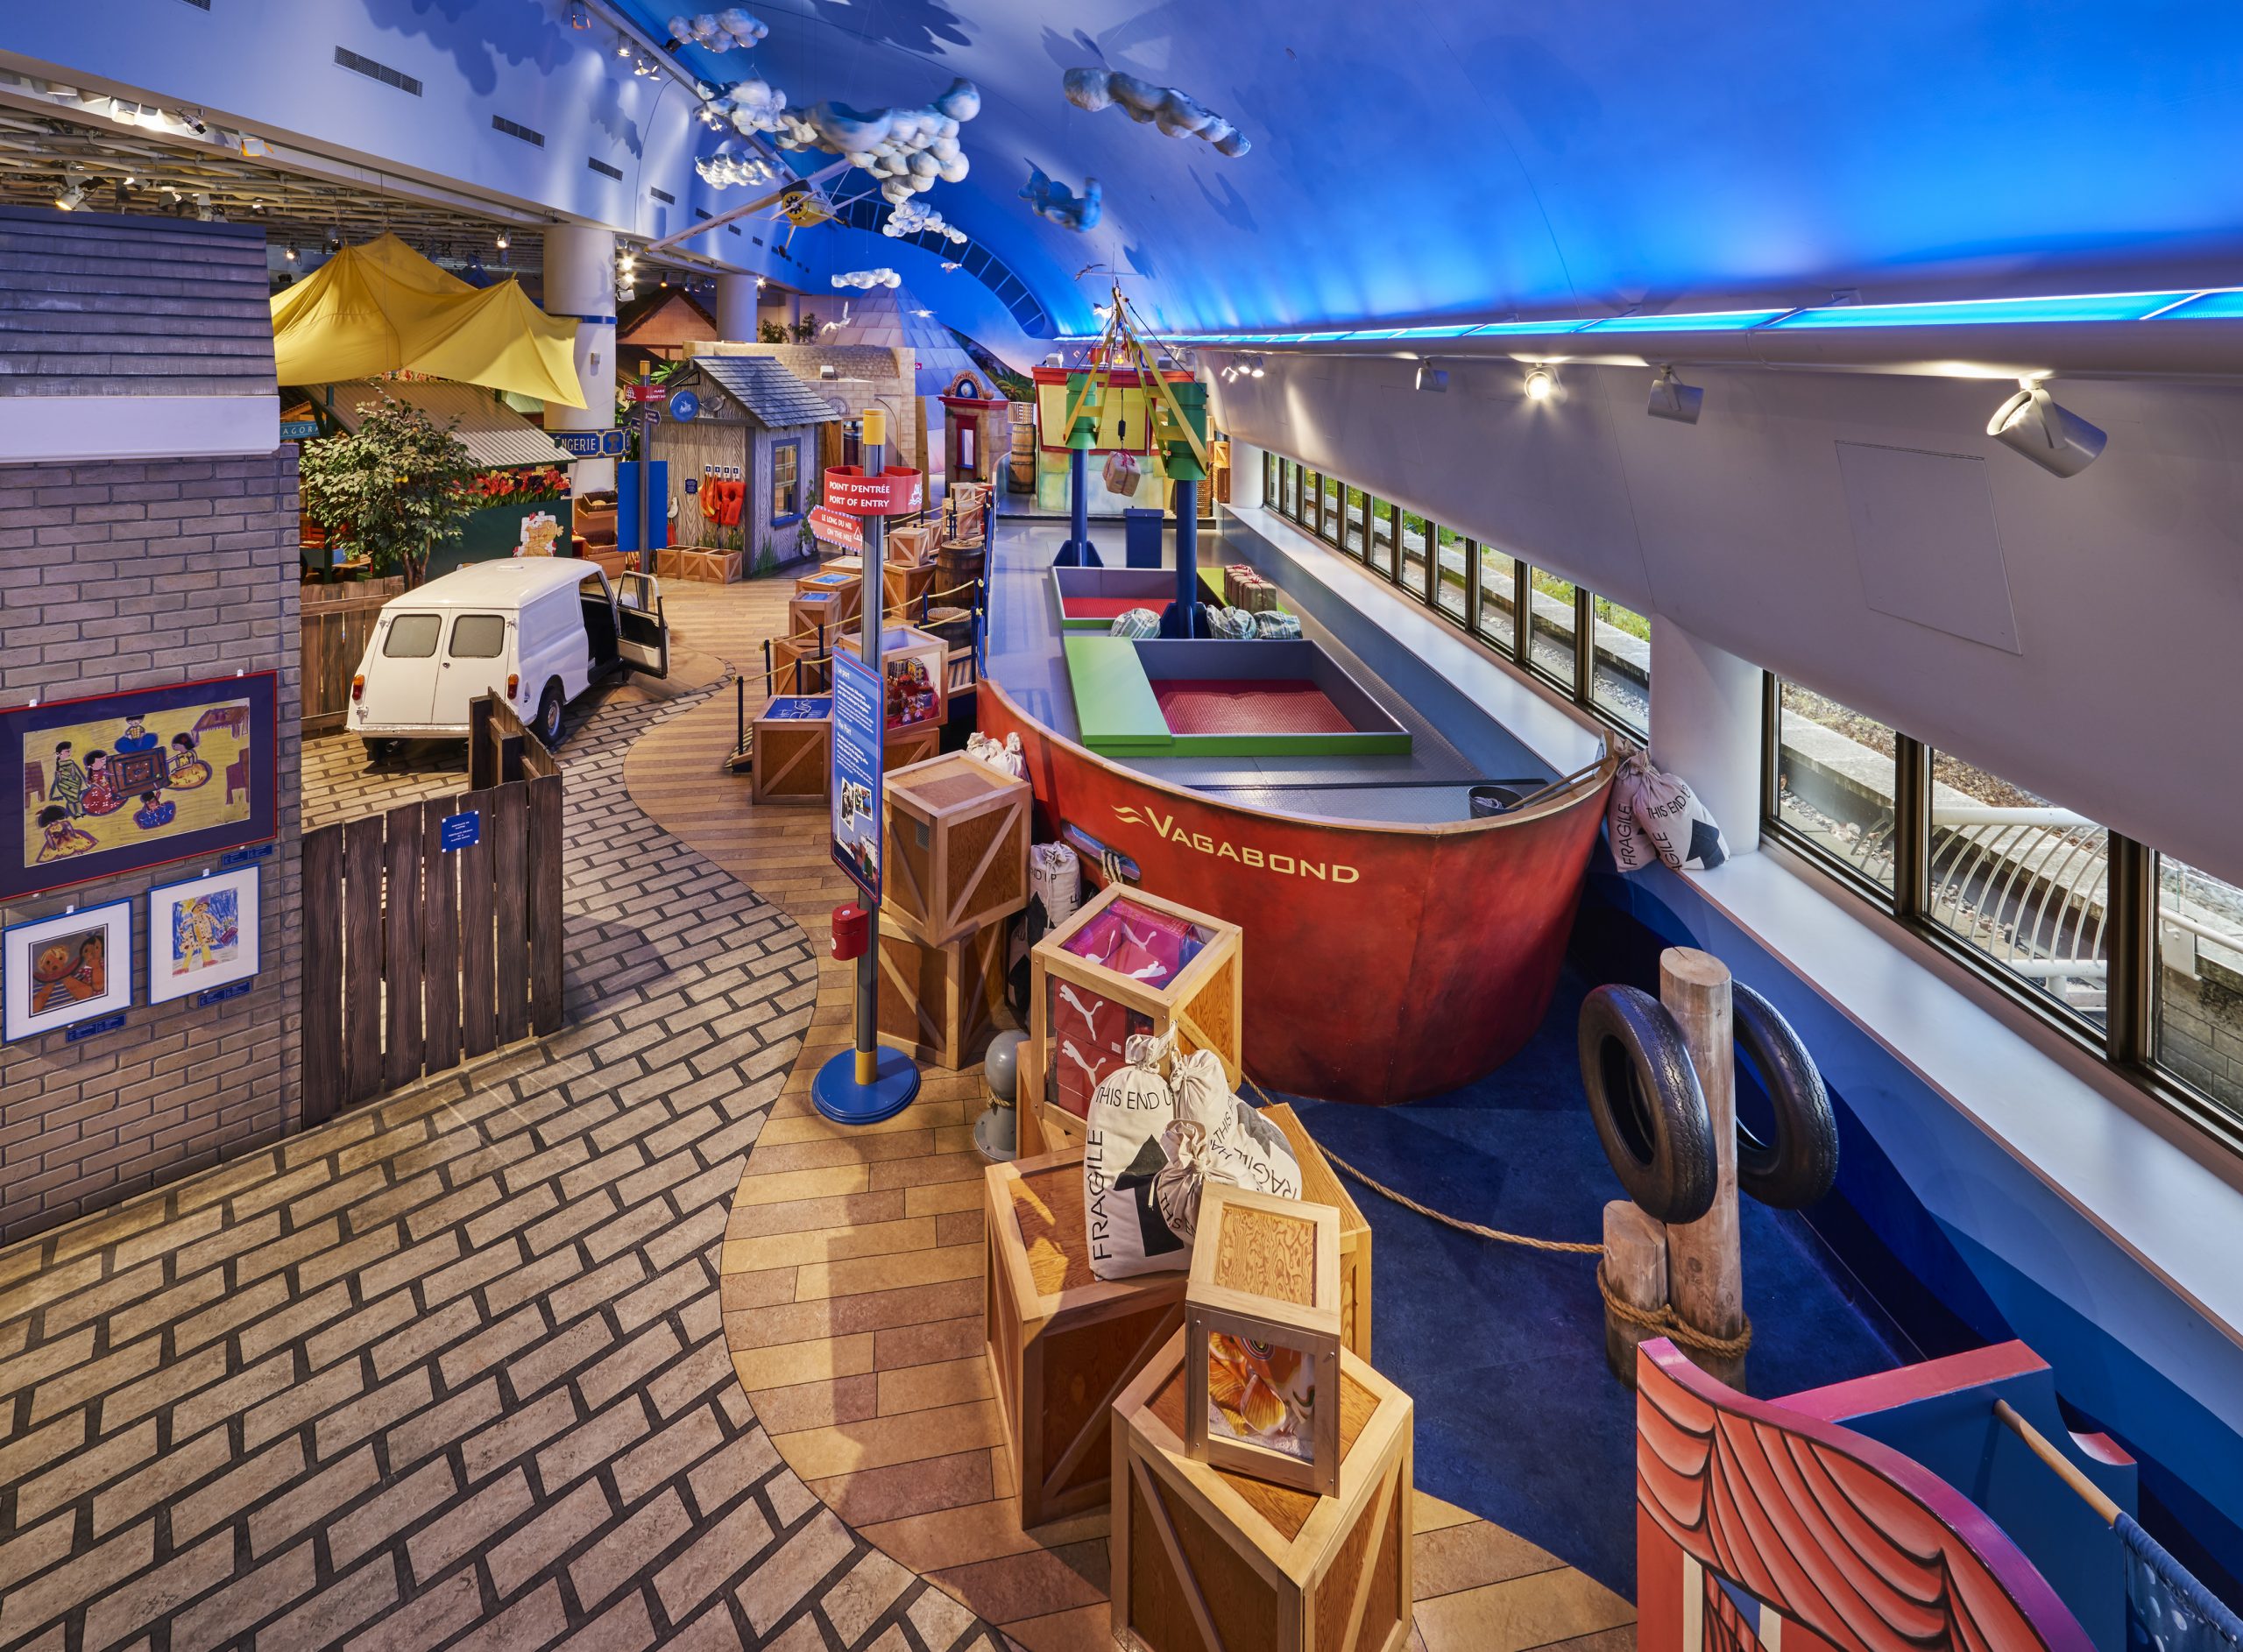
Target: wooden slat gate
418	958
337	620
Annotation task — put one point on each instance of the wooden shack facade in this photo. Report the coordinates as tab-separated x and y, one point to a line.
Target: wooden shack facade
745	469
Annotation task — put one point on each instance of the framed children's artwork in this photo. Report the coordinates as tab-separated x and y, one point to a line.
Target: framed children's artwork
122	781
201	933
54	971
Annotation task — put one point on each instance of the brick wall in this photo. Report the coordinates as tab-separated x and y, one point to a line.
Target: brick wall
128	576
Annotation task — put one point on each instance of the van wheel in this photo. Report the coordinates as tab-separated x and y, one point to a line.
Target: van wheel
547	726
378	751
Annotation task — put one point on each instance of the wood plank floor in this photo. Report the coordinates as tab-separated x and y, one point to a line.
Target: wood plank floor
852	1276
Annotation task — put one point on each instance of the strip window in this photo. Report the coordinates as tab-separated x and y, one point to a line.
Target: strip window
1482	590
2136	957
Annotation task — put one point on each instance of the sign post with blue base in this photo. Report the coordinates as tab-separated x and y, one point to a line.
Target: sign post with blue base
867	1084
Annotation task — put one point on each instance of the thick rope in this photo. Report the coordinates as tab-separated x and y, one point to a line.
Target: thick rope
1660	1322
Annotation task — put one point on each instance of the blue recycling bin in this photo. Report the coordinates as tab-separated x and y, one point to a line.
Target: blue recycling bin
1141	530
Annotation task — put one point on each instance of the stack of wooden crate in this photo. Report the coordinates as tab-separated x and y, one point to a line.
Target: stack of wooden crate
953	868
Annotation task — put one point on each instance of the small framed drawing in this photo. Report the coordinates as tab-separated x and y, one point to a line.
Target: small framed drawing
201	933
62	970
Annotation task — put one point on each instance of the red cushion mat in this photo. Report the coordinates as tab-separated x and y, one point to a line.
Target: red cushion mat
1107	607
1217	706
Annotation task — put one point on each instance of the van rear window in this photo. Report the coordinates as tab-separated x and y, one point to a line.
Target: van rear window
411	636
479	637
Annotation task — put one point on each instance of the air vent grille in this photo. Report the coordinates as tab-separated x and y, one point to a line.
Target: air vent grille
374	71
664	196
603	168
516	129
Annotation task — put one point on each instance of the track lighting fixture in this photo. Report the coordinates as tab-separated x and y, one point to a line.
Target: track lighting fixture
622	46
1432	379
194	124
1541	383
501	241
72	195
334	241
204	212
1672	399
578	18
257	208
2054	438
289	252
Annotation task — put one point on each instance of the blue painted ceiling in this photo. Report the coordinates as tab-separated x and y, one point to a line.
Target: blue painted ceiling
1446	158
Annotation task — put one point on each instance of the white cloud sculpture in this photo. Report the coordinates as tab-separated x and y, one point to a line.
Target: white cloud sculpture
719	31
868	279
729	166
908	218
908	150
1175	113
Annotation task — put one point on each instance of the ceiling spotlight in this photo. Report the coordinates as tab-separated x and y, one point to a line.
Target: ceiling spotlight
1431	377
502	242
334	241
1540	383
1256	369
194	124
1672	399
257	207
622	46
578	18
204	211
289	252
2060	441
72	195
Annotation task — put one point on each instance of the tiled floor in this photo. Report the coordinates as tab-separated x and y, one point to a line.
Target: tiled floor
450	1371
457	1370
853	1304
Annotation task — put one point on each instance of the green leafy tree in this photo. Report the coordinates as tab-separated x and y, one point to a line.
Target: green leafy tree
771	332
396	491
805	331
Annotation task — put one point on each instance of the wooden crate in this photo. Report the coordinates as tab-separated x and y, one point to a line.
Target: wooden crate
1265	1284
1080	1035
849	588
901	748
798	668
815	617
940	1002
1319	1186
956	856
792	755
1062	1343
1202	1556
906	654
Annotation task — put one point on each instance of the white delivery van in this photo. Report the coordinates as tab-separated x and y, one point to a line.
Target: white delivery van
536	630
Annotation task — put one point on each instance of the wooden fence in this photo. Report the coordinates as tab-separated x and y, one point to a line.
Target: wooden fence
418	956
338	619
500	747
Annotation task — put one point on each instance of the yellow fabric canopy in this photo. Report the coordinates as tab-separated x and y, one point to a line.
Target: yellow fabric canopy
384	308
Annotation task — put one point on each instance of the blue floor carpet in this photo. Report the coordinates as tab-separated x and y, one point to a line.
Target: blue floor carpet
1503	1348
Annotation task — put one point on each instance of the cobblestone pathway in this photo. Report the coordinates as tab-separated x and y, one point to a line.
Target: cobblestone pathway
450	1370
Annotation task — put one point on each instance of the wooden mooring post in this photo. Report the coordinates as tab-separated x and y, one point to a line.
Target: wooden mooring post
1705	1269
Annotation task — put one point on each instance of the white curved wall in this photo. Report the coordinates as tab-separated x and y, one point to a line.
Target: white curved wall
2125	582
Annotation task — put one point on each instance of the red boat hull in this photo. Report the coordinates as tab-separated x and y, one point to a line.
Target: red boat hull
1383	963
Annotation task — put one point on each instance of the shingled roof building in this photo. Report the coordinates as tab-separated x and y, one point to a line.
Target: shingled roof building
744	470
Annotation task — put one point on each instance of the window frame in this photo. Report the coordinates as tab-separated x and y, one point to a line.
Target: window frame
779	519
451	636
2127	1043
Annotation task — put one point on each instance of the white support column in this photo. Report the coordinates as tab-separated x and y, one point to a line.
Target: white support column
736	309
580	281
1705	726
1245	473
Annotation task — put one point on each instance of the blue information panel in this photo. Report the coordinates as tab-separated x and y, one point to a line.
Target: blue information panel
684	405
626	505
858	719
584	444
461	831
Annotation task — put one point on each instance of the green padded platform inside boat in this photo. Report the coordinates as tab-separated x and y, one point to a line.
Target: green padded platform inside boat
1114	705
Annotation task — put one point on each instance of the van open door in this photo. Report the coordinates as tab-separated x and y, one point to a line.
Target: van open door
642	635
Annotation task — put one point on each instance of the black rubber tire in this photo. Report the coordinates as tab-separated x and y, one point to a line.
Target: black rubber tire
1644	1099
380	751
1800	1166
550	710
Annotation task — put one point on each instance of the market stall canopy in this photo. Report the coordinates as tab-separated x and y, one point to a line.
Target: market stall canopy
384	308
495	435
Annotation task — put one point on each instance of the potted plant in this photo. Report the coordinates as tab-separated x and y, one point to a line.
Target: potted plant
396	491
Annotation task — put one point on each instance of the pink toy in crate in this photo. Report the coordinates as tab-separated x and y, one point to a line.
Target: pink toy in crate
1136	941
